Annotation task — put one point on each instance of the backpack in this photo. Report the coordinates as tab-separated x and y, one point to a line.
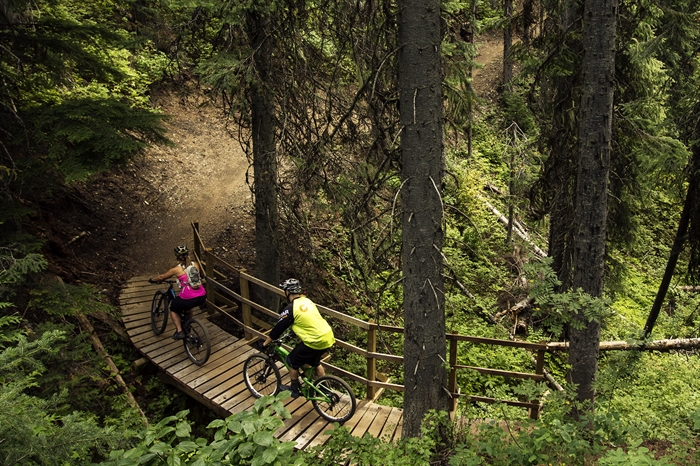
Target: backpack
193	277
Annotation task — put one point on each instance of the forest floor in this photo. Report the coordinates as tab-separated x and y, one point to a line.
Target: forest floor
127	221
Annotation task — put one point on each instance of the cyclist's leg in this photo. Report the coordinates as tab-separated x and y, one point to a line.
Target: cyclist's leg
297	358
181	309
302	354
178	308
316	364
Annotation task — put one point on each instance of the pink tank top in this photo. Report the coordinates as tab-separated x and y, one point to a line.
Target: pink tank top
186	291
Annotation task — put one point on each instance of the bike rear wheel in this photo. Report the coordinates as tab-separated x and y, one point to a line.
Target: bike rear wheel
196	341
159	312
261	375
341	404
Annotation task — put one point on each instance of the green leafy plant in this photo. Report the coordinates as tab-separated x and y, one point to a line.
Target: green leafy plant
559	309
243	438
635	455
33	431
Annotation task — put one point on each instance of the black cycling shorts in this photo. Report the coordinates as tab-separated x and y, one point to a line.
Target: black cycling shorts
183	306
302	354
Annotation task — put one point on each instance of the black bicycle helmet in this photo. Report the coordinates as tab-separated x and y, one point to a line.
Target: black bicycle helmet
181	251
291	286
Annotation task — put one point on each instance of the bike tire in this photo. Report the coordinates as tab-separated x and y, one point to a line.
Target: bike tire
261	375
159	312
197	344
343	403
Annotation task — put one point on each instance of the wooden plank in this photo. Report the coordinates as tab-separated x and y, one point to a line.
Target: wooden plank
391	425
137	320
315	429
234	393
231	373
298	429
244	400
228	368
379	420
322	437
362	407
298	408
137	295
399	428
366	420
221	354
137	308
175	366
175	360
230	386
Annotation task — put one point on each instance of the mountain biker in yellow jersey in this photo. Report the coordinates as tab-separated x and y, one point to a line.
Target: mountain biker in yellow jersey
302	315
189	297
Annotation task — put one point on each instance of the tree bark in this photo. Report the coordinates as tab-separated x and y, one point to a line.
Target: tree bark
559	180
422	148
264	157
589	234
676	249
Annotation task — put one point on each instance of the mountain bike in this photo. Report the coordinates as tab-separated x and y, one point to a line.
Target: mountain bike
196	341
331	396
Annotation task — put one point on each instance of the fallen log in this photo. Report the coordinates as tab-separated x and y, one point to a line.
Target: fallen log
97	344
521	233
113	324
656	345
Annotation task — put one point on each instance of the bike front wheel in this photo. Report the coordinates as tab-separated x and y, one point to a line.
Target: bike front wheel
338	402
196	341
261	375
159	312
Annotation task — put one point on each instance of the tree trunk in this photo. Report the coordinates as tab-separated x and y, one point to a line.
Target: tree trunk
422	148
264	157
678	242
559	180
589	234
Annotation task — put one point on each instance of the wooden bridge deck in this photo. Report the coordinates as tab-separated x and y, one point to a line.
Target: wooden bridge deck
218	384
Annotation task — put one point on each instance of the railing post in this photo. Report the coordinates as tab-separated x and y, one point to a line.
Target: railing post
452	382
245	308
539	370
371	361
195	241
209	262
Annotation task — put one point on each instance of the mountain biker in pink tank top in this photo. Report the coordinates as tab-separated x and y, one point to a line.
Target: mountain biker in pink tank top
189	296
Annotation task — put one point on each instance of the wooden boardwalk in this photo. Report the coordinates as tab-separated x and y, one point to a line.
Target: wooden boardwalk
218	384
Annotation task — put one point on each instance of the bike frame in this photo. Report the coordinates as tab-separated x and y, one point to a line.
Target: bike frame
281	354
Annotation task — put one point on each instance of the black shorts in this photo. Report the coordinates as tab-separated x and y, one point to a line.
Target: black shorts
302	354
183	306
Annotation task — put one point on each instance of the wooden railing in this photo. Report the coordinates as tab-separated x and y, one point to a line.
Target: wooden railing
256	320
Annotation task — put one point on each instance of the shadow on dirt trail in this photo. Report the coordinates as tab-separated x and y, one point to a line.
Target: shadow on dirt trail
127	221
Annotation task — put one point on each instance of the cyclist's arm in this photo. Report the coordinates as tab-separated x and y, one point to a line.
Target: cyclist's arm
175	271
285	321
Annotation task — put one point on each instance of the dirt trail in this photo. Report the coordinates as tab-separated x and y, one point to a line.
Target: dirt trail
126	222
490	56
202	178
